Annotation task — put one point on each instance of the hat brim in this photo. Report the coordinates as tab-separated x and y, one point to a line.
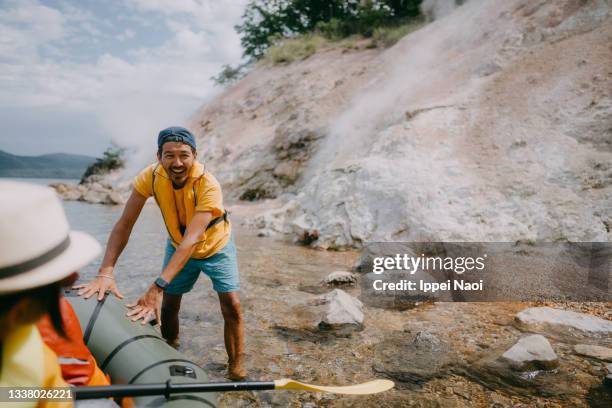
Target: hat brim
82	250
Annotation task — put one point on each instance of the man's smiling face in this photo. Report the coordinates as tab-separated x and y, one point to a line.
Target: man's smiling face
177	158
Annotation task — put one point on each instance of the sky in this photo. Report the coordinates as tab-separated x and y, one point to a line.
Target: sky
76	75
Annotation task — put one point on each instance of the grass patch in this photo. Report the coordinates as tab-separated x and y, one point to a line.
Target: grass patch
288	50
293	49
387	36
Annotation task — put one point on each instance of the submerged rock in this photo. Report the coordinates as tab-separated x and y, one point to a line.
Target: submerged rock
519	370
596	352
413	361
531	353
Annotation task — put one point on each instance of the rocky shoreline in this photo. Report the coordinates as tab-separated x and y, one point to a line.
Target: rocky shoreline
94	192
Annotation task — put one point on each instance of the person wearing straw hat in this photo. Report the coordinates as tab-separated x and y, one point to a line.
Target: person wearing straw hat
38	256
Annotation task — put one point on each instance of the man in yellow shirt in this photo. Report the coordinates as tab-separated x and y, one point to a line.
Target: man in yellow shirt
199	240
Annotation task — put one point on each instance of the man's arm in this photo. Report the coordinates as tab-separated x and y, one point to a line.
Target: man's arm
117	241
183	252
149	304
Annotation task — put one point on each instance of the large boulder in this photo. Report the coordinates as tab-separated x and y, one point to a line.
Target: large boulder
531	353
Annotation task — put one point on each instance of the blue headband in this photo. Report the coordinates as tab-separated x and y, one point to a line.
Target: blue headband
176	134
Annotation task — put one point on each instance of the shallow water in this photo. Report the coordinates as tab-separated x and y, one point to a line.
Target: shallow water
278	280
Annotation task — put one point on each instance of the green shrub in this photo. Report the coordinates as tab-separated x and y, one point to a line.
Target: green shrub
112	159
333	29
333	19
229	75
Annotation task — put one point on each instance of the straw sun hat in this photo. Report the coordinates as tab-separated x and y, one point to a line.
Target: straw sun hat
37	246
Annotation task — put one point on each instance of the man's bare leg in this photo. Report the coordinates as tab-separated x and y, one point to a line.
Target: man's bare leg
171	305
233	334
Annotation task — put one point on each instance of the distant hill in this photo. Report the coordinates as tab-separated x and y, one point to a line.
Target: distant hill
56	165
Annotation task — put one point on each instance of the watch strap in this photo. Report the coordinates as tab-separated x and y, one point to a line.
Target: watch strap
162	283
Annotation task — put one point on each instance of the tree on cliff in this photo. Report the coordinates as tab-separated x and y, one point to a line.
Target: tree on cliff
112	159
266	20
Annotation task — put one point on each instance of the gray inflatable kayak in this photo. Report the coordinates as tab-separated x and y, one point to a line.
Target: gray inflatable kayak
133	353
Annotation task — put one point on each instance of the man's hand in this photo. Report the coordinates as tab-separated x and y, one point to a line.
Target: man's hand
148	306
101	284
117	240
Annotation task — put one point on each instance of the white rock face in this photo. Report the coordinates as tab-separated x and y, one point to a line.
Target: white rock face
481	126
531	353
557	319
596	352
338	308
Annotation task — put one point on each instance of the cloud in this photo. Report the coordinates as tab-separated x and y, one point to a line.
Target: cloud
25	26
132	88
126	35
215	18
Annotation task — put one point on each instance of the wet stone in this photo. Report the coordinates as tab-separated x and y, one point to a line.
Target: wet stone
338	278
531	353
596	352
338	310
564	322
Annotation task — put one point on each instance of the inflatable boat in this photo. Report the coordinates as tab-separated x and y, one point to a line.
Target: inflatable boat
133	353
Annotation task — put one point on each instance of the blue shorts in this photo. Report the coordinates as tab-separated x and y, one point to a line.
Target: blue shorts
221	268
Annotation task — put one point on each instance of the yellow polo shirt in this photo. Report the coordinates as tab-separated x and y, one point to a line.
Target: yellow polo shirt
208	196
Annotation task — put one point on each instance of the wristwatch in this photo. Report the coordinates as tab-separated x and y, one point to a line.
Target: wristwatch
161	283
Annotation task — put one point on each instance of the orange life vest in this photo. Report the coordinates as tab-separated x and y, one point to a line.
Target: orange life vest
78	365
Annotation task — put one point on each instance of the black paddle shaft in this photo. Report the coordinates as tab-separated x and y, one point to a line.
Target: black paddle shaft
141	390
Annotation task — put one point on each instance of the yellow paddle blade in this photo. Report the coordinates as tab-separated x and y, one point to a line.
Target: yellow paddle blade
370	387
